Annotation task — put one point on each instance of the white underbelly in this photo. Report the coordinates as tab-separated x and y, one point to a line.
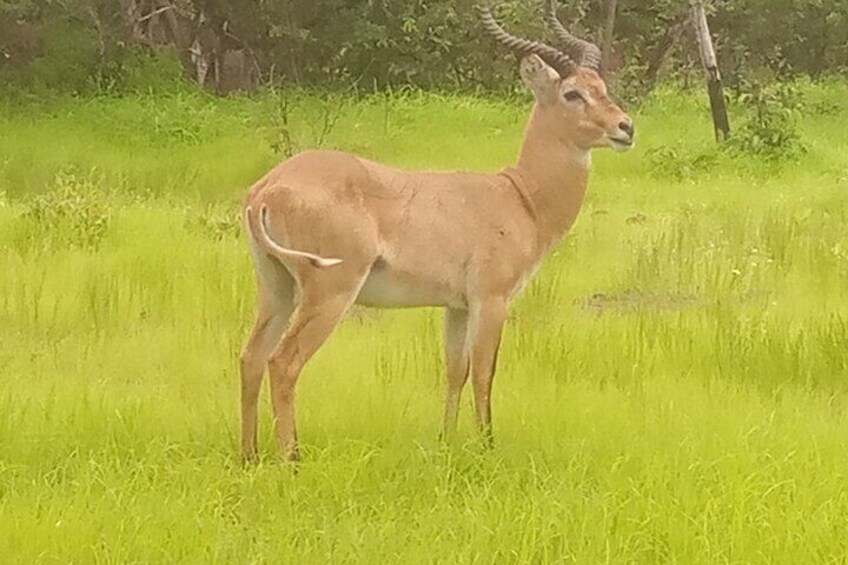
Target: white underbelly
383	289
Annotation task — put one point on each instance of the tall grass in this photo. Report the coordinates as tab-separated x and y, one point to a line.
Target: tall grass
672	386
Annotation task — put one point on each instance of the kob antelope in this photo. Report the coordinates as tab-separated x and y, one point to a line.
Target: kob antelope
328	229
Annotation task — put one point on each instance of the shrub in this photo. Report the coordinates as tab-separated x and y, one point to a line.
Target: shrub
318	119
73	213
770	127
218	222
677	164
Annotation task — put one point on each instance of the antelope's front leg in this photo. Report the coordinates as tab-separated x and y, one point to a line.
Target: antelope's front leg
488	326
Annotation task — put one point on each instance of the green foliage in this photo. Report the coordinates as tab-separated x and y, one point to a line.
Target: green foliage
785	36
16	8
216	222
70	58
72	213
319	114
84	46
668	162
278	131
770	129
68	61
142	71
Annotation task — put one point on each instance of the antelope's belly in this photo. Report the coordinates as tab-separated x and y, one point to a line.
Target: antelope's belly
385	288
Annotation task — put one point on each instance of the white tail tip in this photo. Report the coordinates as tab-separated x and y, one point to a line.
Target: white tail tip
284	253
322	262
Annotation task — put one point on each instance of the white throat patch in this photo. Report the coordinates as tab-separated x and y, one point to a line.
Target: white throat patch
583	159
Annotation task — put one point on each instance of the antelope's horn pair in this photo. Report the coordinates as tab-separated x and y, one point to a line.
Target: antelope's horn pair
577	52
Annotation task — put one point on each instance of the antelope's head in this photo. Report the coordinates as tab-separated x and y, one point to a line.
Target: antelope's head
571	96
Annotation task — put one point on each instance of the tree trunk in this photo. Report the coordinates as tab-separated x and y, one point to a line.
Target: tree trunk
238	72
609	32
659	54
710	63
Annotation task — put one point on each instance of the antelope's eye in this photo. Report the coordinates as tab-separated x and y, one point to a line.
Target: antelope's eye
573	96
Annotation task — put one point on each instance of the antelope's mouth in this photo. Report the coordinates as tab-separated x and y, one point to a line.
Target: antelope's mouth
621	143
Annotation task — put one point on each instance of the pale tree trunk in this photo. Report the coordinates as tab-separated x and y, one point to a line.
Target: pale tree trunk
710	63
609	32
201	61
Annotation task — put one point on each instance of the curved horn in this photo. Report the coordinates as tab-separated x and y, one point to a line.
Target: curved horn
561	62
586	52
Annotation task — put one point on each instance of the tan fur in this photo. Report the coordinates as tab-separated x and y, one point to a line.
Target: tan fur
463	241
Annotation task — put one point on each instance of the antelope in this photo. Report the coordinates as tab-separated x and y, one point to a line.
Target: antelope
328	229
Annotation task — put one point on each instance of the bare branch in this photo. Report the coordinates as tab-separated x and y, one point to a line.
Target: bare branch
154	13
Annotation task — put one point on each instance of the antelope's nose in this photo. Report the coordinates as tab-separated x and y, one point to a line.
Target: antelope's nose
627	127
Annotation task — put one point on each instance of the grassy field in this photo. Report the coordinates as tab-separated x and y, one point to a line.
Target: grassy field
673	387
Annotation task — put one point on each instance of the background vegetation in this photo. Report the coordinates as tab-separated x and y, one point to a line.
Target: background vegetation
136	45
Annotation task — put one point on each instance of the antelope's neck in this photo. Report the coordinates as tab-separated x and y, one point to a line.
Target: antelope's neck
555	176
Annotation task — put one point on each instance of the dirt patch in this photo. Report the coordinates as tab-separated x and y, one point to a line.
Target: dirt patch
601	302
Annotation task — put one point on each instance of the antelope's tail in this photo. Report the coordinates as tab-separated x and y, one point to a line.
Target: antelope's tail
259	232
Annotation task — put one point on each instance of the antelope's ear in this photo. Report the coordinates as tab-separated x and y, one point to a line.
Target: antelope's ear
540	78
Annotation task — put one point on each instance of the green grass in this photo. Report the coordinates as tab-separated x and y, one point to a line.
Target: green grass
672	386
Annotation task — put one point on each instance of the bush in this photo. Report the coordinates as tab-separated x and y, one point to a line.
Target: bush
218	223
770	128
670	163
320	120
74	213
138	70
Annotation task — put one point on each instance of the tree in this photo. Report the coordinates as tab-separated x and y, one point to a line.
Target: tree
710	63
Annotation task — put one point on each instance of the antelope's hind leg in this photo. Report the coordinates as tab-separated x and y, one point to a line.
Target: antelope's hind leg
275	304
324	298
